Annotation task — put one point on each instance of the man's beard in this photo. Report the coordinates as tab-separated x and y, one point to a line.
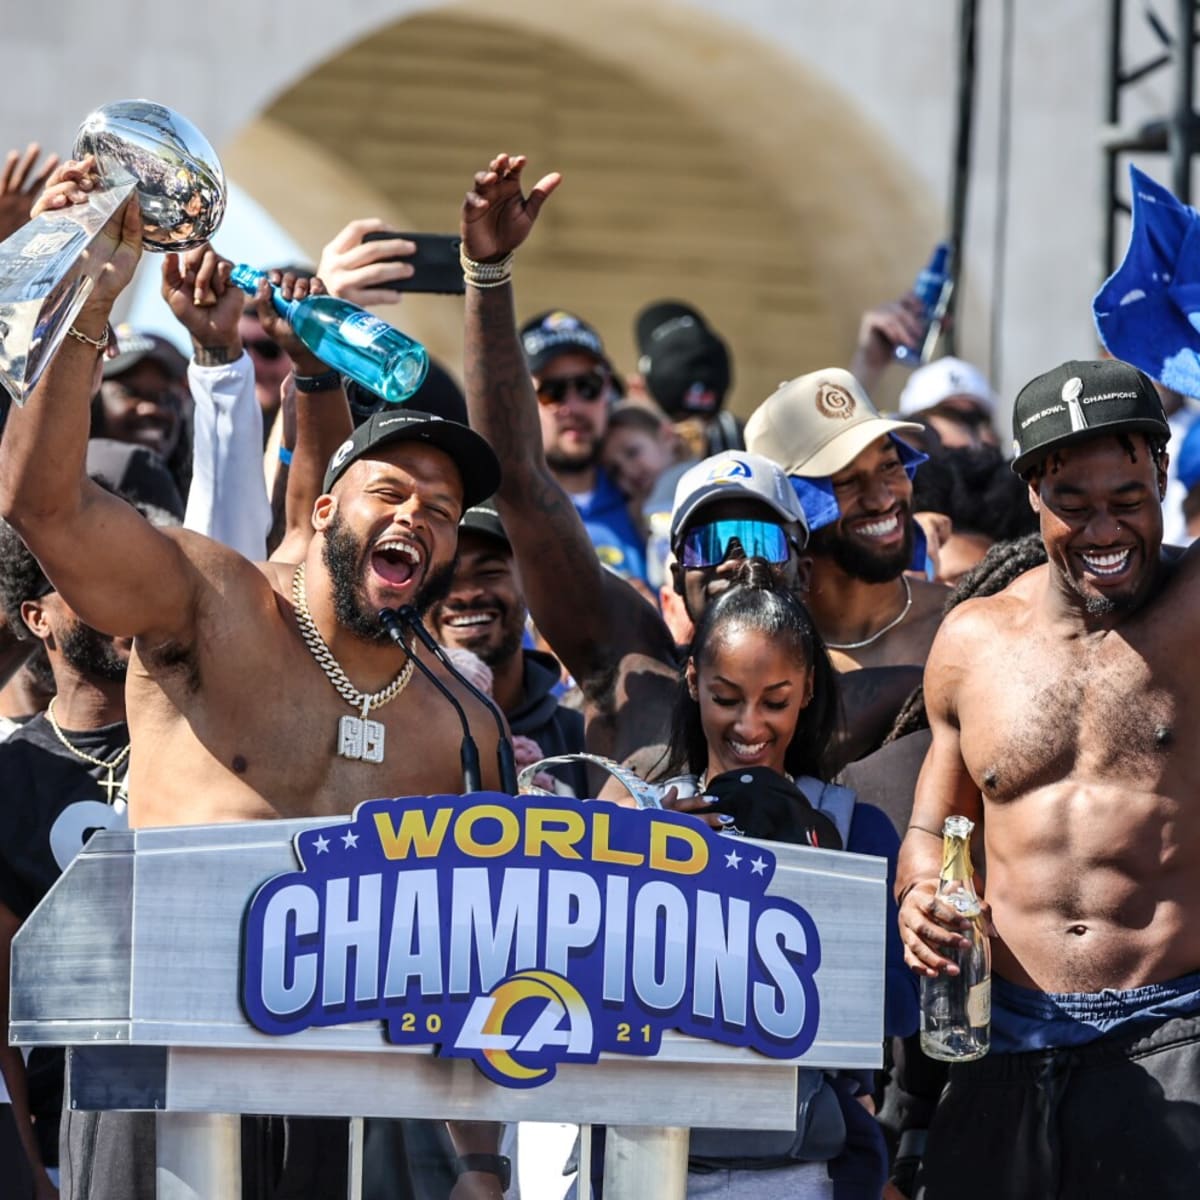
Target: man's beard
511	637
344	557
863	562
93	654
574	464
39	670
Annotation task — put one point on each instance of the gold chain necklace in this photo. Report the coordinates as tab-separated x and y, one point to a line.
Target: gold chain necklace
879	632
358	738
111	785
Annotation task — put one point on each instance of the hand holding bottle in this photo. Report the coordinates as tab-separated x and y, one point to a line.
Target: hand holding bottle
278	328
932	931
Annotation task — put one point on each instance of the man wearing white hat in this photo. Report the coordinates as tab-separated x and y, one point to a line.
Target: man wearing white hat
955	399
854	476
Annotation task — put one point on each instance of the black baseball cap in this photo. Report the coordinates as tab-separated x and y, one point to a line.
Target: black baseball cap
483	518
684	363
765	804
550	334
477	464
1082	400
136	472
134	347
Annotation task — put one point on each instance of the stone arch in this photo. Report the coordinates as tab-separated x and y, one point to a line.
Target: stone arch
698	163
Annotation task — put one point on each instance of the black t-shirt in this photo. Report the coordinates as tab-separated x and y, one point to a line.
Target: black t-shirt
51	802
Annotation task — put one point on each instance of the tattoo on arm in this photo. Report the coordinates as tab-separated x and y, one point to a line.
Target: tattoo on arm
214	356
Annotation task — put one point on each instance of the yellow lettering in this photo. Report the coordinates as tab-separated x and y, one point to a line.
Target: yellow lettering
464	831
662	833
554	828
413	834
602	851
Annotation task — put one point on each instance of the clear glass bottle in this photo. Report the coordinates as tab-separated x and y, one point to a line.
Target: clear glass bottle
351	340
956	1010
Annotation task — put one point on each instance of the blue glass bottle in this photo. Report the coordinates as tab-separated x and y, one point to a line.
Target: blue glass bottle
928	289
349	339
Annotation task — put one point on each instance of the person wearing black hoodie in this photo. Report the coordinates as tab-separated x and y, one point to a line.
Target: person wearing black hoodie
484	612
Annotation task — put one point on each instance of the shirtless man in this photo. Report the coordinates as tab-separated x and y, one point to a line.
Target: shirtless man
232	714
826	434
615	644
1059	712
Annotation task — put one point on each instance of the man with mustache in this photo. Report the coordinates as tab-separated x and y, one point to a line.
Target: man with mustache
484	612
853	472
258	690
1060	710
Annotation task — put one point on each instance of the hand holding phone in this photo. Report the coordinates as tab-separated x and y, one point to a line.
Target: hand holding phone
434	260
366	272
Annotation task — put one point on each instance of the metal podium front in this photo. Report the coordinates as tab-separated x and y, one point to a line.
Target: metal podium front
136	959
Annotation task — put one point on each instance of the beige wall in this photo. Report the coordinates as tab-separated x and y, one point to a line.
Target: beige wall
828	126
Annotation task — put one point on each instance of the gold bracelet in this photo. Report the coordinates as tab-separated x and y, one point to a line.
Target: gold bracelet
97	343
485	275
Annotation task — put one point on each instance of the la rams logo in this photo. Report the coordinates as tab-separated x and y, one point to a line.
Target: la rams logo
508	1031
729	470
560	320
339	455
834	401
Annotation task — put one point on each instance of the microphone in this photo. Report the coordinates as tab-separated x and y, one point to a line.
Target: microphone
469	753
504	747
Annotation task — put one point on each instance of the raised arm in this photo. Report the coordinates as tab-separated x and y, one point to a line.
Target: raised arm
589	616
227	499
116	570
322	417
944	788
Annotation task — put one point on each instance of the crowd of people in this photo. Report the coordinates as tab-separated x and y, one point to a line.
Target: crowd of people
830	626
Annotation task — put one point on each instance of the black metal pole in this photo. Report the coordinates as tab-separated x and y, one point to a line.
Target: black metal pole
1179	137
960	184
1112	117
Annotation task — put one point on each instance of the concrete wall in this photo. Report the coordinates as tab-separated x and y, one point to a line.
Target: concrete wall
839	114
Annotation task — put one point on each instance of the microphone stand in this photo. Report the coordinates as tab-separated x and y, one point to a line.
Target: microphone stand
504	747
469	753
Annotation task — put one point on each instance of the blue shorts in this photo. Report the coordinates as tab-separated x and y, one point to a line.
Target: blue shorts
1024	1019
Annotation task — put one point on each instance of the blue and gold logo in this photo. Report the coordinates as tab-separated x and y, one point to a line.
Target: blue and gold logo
526	932
728	470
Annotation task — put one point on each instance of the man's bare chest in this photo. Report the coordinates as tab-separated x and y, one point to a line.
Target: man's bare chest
1036	713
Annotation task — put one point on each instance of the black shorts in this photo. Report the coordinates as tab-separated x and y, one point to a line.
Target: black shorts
1118	1118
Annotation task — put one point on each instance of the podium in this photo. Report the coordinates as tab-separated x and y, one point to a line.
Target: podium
134	962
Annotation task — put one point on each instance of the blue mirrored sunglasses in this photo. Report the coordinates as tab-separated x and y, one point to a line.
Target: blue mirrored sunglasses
709	545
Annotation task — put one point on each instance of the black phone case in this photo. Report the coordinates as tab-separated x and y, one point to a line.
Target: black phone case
436	268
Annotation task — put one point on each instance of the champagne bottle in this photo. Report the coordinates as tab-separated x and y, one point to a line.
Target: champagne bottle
348	338
956	1010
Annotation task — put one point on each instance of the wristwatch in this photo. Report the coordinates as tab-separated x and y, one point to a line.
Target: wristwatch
317	383
493	1164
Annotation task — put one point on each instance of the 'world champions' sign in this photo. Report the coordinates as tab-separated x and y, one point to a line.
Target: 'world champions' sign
525	932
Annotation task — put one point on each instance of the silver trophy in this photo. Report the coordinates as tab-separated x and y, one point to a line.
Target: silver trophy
45	273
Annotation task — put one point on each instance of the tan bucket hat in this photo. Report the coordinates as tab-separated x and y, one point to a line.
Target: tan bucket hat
818	424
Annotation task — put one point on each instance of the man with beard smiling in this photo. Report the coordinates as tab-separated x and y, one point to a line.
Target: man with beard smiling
1059	710
849	462
484	612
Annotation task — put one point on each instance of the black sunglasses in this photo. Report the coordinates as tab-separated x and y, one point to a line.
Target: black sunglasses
591	386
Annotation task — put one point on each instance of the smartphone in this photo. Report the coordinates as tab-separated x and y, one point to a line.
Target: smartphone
435	263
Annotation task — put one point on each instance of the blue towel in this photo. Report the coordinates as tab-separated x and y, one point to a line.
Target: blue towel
1148	310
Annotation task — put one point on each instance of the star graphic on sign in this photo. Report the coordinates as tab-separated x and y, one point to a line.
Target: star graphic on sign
733	859
322	844
350	840
758	866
